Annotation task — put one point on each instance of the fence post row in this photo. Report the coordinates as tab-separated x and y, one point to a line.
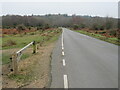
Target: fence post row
17	55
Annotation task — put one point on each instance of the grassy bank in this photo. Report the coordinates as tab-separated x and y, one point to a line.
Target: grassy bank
6	57
32	67
20	40
101	37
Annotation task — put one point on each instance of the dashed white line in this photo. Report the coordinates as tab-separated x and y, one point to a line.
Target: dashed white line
62	42
65	76
65	82
62	39
63	53
64	62
62	48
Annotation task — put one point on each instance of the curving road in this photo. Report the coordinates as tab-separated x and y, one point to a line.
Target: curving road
80	61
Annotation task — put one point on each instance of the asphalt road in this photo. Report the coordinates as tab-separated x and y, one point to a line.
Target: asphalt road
80	61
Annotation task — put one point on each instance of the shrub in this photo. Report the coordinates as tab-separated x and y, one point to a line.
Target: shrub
29	28
95	27
102	32
32	33
14	33
75	26
102	27
25	33
20	27
82	25
39	28
113	32
46	26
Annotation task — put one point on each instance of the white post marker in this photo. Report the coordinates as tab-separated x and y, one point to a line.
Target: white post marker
64	62
65	82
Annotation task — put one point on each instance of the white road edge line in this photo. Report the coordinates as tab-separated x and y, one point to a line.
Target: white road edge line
64	62
63	53
65	82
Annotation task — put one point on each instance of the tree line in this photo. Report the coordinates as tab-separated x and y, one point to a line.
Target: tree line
59	20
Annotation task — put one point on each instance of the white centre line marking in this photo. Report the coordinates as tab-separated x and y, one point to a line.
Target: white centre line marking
62	48
65	82
63	53
62	44
64	62
62	39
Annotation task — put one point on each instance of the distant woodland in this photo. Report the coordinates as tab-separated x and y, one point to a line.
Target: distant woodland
59	20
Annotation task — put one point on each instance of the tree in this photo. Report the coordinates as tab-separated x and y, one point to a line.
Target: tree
58	20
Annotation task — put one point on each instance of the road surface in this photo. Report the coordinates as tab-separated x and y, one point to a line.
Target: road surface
80	61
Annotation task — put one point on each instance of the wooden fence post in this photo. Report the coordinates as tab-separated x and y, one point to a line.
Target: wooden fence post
34	47
14	63
16	56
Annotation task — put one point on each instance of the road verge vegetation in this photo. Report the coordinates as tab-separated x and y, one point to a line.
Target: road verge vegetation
34	69
113	40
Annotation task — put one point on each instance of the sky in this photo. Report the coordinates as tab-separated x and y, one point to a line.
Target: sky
91	7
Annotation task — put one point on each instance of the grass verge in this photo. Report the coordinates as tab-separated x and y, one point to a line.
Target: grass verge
20	77
19	41
98	36
6	57
34	66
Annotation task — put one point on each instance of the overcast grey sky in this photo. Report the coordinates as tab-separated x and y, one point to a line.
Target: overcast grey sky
80	8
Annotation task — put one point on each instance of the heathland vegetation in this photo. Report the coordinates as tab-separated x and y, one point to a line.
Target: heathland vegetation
103	26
